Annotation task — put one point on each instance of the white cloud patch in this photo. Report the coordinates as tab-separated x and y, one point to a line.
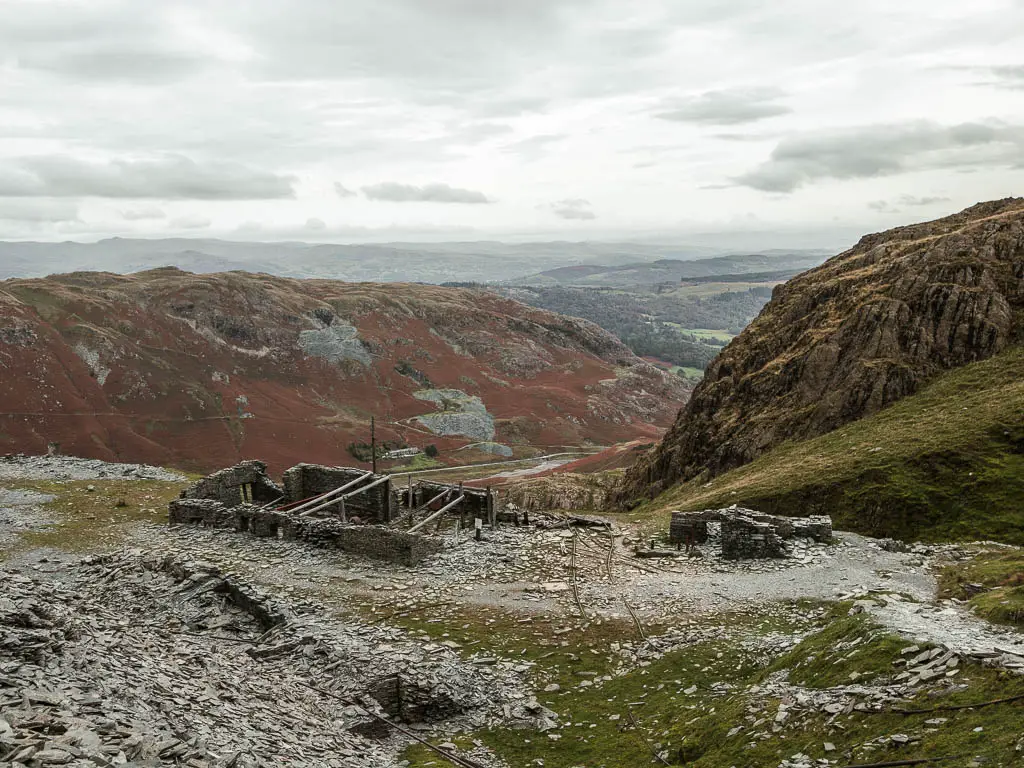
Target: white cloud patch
342	191
39	211
192	221
431	193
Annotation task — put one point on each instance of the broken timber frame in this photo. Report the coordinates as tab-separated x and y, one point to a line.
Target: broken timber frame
304	507
348	495
437	514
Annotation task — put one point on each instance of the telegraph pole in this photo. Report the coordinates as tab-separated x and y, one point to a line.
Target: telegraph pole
373	442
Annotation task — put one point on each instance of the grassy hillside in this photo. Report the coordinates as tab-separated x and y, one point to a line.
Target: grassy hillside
946	463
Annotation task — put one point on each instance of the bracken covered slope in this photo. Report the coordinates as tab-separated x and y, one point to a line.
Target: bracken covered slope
846	339
197	371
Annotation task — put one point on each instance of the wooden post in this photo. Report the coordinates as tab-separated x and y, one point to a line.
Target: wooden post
479	525
344	517
373	441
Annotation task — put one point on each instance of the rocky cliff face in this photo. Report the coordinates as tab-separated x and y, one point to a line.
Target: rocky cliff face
845	339
200	371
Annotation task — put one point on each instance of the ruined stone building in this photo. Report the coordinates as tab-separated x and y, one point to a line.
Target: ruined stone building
746	533
342	507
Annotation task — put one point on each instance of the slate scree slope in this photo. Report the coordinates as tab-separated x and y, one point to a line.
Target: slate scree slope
844	340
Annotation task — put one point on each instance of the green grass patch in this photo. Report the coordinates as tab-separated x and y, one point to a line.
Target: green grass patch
710	706
90	520
850	649
709	333
419	462
944	464
999	574
563	651
687	372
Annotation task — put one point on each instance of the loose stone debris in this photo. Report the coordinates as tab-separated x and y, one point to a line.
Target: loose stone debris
214	644
147	659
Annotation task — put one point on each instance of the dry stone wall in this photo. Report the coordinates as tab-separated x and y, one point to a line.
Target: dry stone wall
304	481
244	482
376	541
746	533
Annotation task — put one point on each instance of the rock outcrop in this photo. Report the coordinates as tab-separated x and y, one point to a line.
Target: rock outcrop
846	339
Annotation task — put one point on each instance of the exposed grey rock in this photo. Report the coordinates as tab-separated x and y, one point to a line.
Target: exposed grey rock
335	343
458	414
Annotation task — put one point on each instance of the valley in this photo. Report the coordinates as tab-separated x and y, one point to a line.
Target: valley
810	557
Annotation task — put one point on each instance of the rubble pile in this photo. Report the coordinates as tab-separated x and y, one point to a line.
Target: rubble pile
21	467
151	660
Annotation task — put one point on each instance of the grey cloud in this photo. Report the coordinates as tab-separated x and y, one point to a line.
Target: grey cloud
167	177
342	191
916	201
1010	77
911	201
143	214
573	208
882	206
315	225
192	221
726	107
465	42
108	41
883	150
431	193
38	211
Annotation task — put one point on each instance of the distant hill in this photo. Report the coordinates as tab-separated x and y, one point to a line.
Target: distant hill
678	312
198	371
390	262
779	265
846	340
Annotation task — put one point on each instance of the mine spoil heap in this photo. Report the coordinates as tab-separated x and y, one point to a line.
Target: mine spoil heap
844	340
150	660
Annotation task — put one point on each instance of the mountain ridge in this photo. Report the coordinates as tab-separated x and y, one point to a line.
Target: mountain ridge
197	371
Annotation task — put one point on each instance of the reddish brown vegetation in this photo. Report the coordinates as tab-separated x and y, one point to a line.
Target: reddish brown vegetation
166	367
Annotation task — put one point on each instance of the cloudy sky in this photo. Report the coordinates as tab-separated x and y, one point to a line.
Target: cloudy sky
472	119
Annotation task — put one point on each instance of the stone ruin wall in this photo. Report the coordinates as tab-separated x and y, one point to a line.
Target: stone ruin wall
747	533
367	540
244	482
304	481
